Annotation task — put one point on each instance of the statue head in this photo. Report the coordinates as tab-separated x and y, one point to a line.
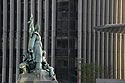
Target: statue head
37	28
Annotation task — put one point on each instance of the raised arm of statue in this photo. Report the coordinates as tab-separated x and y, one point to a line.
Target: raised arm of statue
31	26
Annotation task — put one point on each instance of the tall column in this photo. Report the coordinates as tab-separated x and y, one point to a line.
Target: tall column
124	55
84	27
111	53
94	33
84	34
94	24
107	39
103	12
4	40
46	26
112	11
32	8
25	30
102	37
112	38
53	33
40	15
18	35
98	34
116	54
80	11
107	11
117	11
102	52
89	29
11	36
107	53
121	11
120	57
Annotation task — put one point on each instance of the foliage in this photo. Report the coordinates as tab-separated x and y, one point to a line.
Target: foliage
89	72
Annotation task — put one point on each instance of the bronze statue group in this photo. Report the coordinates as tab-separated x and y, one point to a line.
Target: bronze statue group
35	58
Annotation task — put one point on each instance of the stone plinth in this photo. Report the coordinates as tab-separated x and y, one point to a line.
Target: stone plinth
37	81
36	77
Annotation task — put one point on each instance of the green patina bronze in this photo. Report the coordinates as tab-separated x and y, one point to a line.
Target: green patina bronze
34	61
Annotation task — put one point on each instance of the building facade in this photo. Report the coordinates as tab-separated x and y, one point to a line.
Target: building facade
105	50
59	36
67	34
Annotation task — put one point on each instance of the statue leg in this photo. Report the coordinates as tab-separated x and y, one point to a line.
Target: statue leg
51	71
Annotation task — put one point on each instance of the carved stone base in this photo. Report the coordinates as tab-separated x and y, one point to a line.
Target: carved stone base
36	77
37	81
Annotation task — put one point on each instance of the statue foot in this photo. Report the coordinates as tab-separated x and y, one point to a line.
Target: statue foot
53	78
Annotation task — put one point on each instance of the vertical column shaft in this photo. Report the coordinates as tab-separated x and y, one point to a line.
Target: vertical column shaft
102	52
84	27
25	30
117	6
89	29
102	37
83	32
40	14
11	36
4	40
124	56
107	11
98	12
98	54
18	35
111	11
111	53
116	56
103	12
107	55
32	8
94	24
121	43
120	57
112	42
121	11
46	26
94	33
53	33
98	34
80	4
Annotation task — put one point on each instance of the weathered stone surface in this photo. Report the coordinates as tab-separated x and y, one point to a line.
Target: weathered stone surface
37	81
36	77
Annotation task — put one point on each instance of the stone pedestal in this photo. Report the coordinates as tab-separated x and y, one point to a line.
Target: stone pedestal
36	77
37	81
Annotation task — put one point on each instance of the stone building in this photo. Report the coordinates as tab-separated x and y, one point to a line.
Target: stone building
67	34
